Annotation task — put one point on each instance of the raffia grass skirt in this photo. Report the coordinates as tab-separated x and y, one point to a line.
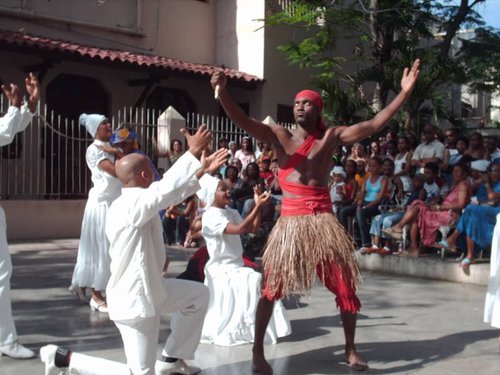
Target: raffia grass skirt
298	244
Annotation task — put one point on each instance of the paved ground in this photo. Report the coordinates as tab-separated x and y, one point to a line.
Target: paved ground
406	325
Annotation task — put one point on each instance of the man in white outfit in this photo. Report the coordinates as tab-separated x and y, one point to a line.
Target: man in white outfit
16	119
137	294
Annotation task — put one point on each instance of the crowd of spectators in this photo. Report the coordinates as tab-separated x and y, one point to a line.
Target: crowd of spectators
381	189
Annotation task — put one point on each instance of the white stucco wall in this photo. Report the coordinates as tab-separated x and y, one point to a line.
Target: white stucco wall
240	35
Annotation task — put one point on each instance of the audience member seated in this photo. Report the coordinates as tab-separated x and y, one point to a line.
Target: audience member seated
237	163
265	171
391	149
478	219
430	150
176	222
222	143
245	154
338	188
232	180
232	148
374	149
193	235
427	219
391	215
266	152
390	138
476	150
453	156
276	194
242	196
357	153
361	173
431	187
412	142
478	169
350	169
451	136
172	155
491	151
394	193
367	205
402	164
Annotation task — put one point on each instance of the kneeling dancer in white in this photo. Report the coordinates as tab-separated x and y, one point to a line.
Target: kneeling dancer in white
234	289
137	293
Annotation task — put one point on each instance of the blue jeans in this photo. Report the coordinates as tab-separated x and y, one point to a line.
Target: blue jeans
362	217
344	212
384	221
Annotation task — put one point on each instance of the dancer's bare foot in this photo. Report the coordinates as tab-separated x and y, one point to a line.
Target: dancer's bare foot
355	361
260	365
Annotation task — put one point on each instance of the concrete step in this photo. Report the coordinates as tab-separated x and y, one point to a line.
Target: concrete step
429	267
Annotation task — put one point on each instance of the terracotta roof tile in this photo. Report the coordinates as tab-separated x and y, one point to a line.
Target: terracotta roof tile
49	44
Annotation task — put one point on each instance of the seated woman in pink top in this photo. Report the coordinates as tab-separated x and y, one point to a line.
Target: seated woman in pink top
425	219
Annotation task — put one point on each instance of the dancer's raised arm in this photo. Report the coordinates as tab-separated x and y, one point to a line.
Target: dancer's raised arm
362	130
256	128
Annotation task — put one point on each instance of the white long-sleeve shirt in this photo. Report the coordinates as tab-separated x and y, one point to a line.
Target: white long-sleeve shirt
13	122
133	227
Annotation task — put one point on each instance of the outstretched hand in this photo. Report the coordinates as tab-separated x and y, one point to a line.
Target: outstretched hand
261	198
33	89
13	94
410	77
212	163
199	141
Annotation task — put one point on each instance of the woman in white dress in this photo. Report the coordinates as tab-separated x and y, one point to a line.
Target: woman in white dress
234	289
92	263
492	303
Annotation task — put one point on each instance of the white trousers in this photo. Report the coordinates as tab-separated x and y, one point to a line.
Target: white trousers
492	302
7	328
187	301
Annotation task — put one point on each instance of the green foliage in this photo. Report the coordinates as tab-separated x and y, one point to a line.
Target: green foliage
383	42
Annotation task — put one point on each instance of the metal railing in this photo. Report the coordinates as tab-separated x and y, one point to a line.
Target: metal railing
47	160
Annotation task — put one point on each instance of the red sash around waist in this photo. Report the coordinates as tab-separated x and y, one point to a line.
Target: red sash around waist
309	200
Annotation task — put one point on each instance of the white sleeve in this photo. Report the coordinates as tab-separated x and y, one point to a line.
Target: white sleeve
178	183
26	117
416	154
440	151
213	223
234	216
9	125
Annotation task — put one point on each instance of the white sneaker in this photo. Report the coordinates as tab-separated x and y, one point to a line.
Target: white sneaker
178	367
48	356
16	351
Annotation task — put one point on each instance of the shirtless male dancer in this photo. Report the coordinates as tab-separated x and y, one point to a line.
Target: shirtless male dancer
307	239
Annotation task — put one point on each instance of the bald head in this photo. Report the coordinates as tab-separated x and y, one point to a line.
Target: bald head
134	170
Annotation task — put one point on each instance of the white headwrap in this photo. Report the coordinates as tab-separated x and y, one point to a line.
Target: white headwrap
91	122
338	170
480	165
208	188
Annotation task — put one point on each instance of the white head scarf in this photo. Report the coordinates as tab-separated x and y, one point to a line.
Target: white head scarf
208	188
91	122
480	165
338	170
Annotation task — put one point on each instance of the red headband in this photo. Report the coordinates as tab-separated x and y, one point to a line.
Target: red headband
316	100
313	96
